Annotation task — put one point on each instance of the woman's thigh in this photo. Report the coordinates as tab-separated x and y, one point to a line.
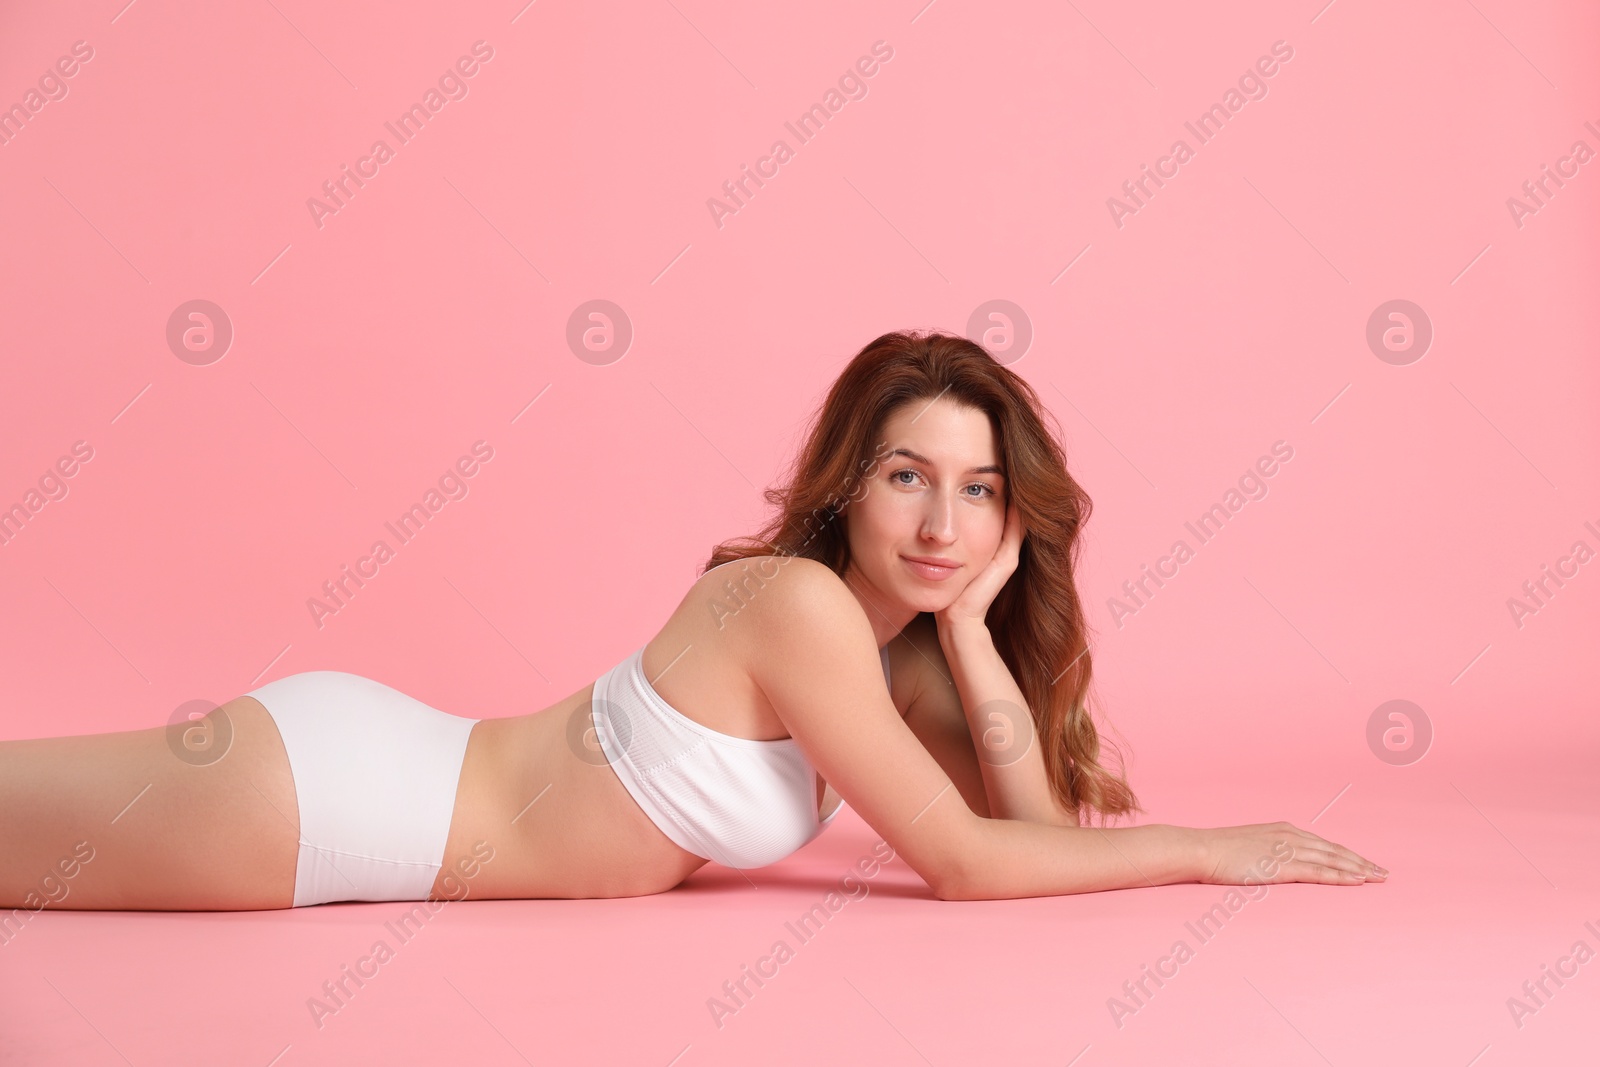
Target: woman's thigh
200	817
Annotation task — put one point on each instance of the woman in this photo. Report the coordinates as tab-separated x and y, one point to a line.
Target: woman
927	537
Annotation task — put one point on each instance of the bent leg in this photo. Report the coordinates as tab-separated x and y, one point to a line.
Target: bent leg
151	819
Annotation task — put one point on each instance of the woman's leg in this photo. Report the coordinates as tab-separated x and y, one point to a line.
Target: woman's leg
198	817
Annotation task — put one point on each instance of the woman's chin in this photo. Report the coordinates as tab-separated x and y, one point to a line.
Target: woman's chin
925	599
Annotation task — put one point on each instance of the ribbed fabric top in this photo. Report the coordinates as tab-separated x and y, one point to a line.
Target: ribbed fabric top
741	802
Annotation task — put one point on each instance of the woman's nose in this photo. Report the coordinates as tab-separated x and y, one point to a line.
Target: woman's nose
939	522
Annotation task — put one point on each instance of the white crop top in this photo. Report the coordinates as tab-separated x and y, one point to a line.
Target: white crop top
741	802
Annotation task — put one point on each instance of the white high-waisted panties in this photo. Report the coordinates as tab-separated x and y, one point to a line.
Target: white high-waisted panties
375	775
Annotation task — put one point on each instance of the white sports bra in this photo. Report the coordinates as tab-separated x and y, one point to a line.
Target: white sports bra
741	802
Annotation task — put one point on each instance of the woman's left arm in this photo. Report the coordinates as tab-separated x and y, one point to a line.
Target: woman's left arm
1003	734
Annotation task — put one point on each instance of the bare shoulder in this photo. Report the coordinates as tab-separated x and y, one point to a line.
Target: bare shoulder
791	591
807	577
761	607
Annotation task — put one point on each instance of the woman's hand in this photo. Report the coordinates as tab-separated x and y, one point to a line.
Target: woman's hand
1278	852
972	605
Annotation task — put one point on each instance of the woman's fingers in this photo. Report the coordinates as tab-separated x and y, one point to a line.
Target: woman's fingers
1291	855
1360	862
1318	857
1313	863
1306	871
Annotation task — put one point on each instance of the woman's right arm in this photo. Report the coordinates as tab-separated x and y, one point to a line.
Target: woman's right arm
810	649
1024	859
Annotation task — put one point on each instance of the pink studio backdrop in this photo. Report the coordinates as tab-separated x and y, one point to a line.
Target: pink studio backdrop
357	342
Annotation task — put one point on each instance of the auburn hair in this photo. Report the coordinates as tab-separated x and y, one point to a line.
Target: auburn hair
1037	619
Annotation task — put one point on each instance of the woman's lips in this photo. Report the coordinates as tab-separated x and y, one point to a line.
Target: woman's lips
929	571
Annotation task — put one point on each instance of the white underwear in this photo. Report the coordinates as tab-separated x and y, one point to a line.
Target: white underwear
375	776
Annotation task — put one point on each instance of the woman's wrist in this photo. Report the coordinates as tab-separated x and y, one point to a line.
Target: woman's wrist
959	633
1198	845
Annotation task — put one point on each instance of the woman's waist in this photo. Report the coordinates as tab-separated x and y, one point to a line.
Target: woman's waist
570	826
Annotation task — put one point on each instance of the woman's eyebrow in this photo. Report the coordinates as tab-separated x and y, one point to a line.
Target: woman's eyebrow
925	461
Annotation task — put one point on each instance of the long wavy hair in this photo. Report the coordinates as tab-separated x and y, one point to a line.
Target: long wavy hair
1037	619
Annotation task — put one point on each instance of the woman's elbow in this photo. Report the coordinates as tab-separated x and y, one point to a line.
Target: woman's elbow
948	888
956	874
940	871
961	882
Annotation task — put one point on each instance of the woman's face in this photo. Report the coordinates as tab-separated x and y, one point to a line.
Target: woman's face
936	495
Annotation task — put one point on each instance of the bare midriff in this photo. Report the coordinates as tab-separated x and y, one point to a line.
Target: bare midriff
538	790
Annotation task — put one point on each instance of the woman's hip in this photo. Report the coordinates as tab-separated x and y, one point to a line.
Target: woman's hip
375	776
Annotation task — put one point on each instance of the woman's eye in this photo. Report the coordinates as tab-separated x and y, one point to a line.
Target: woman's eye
985	490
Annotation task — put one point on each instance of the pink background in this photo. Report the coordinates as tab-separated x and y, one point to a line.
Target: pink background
433	308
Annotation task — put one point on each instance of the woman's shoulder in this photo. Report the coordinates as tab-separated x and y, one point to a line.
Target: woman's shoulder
772	566
772	605
773	580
